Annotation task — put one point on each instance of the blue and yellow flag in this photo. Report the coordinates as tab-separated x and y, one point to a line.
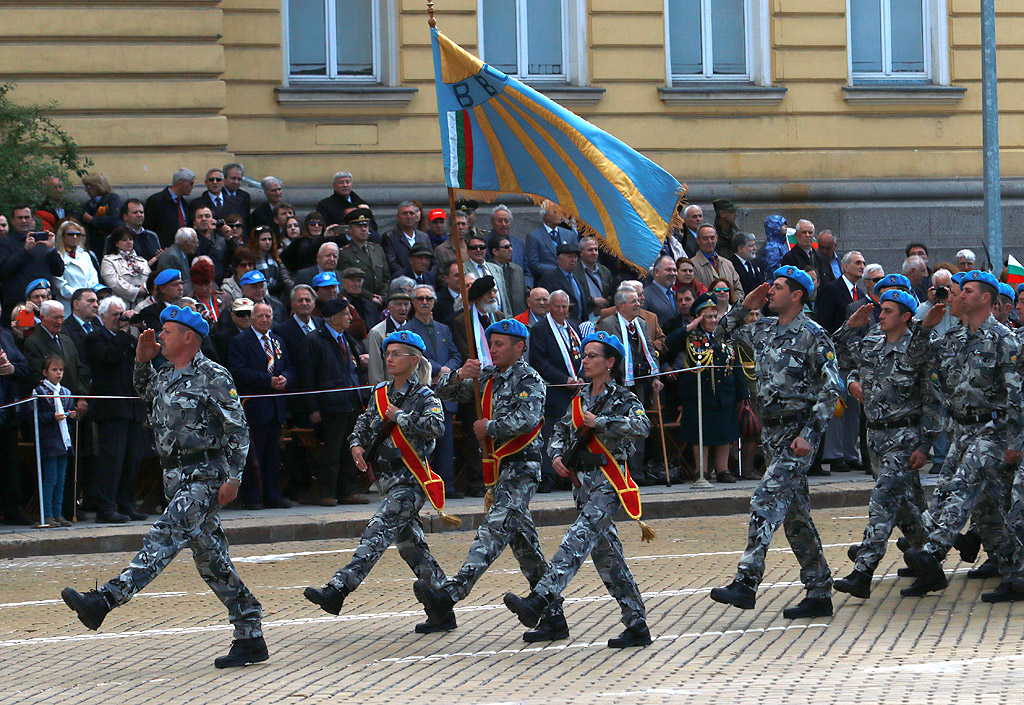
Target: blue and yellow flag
501	136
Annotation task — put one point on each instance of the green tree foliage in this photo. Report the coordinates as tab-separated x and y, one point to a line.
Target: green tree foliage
32	149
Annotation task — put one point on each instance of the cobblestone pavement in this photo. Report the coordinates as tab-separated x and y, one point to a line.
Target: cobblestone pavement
950	648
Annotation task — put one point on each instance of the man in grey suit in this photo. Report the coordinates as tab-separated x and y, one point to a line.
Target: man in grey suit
542	243
515	280
658	295
563	277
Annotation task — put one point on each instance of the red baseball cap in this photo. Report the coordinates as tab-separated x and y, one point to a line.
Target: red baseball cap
437	214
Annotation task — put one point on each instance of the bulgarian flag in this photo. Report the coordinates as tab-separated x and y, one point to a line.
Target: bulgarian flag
791	239
1014	272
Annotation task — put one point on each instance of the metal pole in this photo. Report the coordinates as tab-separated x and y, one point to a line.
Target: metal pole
701	482
661	429
990	136
39	460
74	486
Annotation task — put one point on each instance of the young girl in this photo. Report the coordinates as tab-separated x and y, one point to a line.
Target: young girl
54	437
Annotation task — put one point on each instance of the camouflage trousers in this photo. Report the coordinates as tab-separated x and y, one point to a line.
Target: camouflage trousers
396	520
973	469
897	499
985	519
1012	567
506	523
594	533
782	497
192	520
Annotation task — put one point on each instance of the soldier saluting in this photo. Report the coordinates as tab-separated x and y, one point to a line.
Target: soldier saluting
798	385
605	418
202	440
403	420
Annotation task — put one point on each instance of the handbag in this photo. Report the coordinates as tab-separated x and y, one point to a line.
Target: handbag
749	424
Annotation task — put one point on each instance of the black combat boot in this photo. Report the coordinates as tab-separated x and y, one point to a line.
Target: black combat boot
735	594
433	627
857	583
244	651
906	572
969	545
637	635
328	598
903	543
1007	591
91	607
988	569
436	602
529	609
809	607
929	572
551	628
853	551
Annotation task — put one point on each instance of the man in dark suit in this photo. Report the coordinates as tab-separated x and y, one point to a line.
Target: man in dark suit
563	277
84	309
258	360
399	242
20	265
326	261
418	268
166	210
14	371
233	174
597	277
744	249
273	189
829	261
342	199
367	313
500	252
293	332
220	204
443	357
659	297
682	242
555	350
542	243
501	224
444	304
802	255
110	352
48	338
836	296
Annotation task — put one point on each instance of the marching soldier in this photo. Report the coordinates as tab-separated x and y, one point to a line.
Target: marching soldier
509	430
414	421
202	440
798	387
978	381
901	420
601	424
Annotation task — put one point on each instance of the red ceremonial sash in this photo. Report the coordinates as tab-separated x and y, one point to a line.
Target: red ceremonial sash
629	493
493	456
433	486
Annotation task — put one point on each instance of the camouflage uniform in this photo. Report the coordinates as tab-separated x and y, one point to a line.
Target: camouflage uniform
518	397
975	376
195	410
902	417
621	421
397	519
798	386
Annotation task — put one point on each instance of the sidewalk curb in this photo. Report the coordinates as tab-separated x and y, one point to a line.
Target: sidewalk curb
242	531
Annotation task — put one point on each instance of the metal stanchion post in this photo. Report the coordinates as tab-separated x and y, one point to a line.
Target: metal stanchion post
39	461
701	482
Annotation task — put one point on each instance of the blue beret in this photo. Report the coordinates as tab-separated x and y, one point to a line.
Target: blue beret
799	276
405	337
36	284
982	278
334	307
167	276
958	278
900	297
509	326
186	317
1020	288
701	303
1006	290
608	339
325	279
891	280
253	277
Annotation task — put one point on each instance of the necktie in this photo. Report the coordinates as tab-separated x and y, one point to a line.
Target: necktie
672	298
56	339
554	236
855	295
631	328
216	201
344	350
579	297
181	212
713	258
270	353
88	327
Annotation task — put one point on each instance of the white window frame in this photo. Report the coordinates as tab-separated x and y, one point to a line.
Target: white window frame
384	28
757	46
936	49
574	44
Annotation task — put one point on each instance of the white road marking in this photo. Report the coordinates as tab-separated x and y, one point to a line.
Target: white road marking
942	666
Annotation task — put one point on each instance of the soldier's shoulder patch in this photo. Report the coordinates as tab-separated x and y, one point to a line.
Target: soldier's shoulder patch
435	410
640	412
1013	358
233	393
935	376
829	355
524	395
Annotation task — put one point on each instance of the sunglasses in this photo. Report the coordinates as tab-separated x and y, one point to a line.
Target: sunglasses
241	314
424	298
504	247
318	223
875	279
720	290
214	179
73	234
477	247
235	225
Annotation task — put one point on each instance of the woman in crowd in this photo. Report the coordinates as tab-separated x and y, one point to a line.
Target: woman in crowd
81	270
684	277
122	268
301	253
102	212
725	297
209	300
245	262
281	213
265	246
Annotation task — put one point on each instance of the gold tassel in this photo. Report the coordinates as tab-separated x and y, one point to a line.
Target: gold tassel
489	499
647	534
450	519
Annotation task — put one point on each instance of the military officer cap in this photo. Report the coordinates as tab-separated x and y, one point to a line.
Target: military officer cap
1006	290
480	287
405	337
357	216
702	302
798	276
167	276
466	205
322	279
982	278
508	326
36	284
186	317
902	298
609	339
253	277
959	277
567	248
723	205
334	306
893	280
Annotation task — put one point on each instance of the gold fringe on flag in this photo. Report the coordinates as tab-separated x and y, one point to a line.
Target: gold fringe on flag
450	519
488	499
647	534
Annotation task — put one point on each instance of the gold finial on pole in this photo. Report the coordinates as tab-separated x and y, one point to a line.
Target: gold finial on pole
430	11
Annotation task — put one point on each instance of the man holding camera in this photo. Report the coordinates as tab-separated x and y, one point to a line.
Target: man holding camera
24	256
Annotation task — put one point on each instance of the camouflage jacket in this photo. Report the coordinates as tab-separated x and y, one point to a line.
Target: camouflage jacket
194	411
421	419
795	366
518	397
622	420
895	386
975	373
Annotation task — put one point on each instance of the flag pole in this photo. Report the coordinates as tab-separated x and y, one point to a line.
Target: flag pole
453	233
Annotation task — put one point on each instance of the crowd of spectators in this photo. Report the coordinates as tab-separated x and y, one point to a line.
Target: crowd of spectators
301	302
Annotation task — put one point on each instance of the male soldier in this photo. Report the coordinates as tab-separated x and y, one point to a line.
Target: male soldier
894	389
513	414
798	386
978	381
404	478
202	439
367	256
